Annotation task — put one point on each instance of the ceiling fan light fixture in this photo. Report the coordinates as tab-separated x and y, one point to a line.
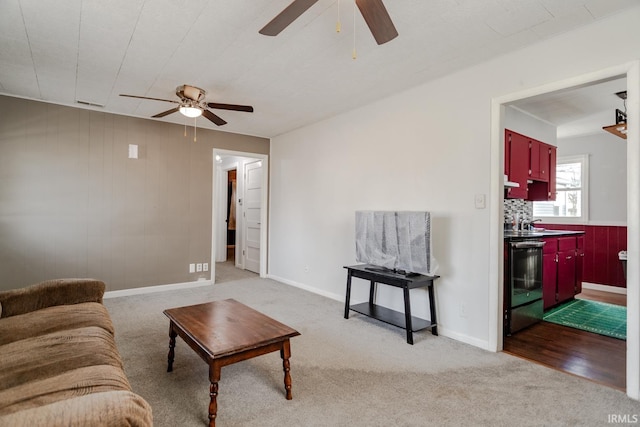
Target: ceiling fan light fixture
191	112
620	128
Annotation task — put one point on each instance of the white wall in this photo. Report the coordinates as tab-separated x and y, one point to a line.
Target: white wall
607	175
525	124
425	149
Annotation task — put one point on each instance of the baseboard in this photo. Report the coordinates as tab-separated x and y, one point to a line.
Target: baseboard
311	289
484	345
604	288
156	288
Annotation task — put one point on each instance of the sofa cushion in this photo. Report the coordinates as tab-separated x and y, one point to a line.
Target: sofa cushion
49	355
108	409
52	319
50	293
70	384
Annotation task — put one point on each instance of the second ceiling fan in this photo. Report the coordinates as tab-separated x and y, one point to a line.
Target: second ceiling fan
373	12
192	104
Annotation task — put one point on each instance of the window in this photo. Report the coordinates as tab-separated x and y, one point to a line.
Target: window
571	204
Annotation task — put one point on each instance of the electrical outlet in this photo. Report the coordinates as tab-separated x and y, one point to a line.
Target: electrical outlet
199	267
205	266
306	268
192	268
480	201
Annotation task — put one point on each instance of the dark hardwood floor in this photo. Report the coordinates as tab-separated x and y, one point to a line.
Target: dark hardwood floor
591	356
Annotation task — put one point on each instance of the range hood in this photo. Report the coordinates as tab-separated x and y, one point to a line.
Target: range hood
510	184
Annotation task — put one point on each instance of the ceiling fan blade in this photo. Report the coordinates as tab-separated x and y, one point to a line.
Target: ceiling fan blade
378	20
146	97
232	107
286	17
212	117
166	113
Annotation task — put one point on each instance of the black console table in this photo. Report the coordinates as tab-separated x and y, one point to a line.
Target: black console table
402	320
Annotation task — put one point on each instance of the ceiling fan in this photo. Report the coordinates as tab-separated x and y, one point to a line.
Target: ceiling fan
192	104
373	12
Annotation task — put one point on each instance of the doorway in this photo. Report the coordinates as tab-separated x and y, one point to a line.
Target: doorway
238	214
231	213
632	73
602	158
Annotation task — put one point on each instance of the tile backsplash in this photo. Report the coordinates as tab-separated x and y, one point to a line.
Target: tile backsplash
522	208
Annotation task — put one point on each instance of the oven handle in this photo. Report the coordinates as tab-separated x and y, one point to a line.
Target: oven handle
527	244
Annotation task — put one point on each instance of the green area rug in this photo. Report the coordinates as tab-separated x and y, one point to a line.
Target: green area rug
592	316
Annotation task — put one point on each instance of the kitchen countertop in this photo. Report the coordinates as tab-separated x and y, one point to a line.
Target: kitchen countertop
522	235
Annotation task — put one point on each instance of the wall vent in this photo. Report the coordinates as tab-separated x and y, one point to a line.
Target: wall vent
89	103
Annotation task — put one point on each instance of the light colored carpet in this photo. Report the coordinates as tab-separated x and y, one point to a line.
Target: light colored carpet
355	372
227	272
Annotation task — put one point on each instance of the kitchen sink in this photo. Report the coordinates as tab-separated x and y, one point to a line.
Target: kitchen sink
522	233
537	233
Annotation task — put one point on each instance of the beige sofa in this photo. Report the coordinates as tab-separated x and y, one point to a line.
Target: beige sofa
59	365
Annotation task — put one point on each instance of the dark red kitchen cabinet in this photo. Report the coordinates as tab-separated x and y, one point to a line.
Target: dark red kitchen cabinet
507	154
579	263
566	268
534	159
518	164
543	187
552	172
549	272
545	161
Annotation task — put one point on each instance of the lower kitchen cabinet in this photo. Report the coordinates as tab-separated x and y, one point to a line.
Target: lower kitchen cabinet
562	269
579	262
566	275
549	272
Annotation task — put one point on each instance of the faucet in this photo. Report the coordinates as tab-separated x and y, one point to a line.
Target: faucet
528	225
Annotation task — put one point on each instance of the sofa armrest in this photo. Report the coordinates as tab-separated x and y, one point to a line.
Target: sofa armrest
50	293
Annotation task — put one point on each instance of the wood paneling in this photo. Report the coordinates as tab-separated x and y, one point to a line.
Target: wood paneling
72	204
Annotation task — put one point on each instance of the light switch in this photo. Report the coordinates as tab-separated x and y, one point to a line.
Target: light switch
480	201
192	268
133	151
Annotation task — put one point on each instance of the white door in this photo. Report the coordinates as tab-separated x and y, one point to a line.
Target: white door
252	214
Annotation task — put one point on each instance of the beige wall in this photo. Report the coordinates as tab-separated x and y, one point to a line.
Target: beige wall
73	205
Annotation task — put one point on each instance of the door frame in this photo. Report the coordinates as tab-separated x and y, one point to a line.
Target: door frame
217	191
632	72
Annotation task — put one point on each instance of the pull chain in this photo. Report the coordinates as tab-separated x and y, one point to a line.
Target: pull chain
338	25
354	55
195	127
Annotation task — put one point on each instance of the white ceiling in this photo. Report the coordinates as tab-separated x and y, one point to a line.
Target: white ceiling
580	110
64	51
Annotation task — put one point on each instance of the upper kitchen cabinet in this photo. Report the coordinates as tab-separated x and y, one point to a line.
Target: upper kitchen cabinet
517	152
532	164
544	189
539	160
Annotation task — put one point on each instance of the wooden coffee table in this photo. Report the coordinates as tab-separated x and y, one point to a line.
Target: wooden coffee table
226	332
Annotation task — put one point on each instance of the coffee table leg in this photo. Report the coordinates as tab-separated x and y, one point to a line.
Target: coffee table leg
172	344
214	378
285	353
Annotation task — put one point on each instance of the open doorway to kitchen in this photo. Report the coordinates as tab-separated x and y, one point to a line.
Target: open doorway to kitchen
240	182
602	359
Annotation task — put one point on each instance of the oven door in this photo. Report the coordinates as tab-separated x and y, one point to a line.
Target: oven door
526	271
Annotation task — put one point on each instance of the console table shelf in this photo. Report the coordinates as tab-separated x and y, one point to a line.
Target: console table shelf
402	320
391	317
